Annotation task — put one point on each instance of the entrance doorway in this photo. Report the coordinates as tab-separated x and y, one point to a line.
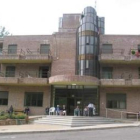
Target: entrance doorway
75	97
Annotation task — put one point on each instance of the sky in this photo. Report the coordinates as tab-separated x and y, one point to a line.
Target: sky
41	17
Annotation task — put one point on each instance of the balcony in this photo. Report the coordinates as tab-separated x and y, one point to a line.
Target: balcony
73	80
29	78
24	56
8	80
134	56
118	56
112	56
121	80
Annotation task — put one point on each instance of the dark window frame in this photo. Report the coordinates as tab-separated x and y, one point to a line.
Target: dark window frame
115	102
4	101
107	73
139	48
10	73
34	99
107	49
46	49
139	72
12	51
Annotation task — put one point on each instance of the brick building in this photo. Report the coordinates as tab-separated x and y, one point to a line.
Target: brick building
74	66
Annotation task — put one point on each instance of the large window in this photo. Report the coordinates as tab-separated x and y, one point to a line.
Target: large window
116	101
44	48
107	72
107	49
33	99
12	49
3	98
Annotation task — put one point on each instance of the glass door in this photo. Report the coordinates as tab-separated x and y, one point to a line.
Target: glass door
70	106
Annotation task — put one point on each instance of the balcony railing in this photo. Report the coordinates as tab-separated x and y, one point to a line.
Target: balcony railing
117	55
122	79
135	55
112	51
24	78
111	55
12	55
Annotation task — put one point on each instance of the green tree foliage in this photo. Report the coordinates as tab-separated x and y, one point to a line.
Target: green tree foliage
3	32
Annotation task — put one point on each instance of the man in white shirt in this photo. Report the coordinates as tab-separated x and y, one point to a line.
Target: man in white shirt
91	107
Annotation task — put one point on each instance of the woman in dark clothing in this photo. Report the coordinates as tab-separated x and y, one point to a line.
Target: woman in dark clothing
47	110
27	110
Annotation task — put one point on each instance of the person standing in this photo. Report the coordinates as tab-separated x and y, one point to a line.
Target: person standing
57	110
64	110
91	106
27	110
11	109
47	110
77	111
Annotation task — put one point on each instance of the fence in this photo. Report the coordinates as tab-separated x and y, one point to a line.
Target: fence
112	113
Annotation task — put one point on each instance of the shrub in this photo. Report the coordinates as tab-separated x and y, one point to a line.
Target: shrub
133	52
21	116
2	113
3	117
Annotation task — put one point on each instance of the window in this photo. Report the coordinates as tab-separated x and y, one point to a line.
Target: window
44	72
12	49
10	71
107	49
107	72
87	64
44	48
87	40
1	48
89	49
139	73
138	48
33	99
116	101
3	98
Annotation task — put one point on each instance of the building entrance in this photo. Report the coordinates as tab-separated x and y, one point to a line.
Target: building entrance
71	97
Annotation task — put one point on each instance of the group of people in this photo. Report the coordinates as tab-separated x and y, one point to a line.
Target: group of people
88	110
26	110
59	110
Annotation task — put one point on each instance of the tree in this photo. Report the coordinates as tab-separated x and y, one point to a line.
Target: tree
3	32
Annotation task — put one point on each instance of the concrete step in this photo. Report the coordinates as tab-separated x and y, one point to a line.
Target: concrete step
74	121
62	120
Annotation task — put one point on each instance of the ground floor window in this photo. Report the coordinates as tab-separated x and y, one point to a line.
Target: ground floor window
3	98
33	99
116	101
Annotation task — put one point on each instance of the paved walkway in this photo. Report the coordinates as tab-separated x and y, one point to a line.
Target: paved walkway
34	128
